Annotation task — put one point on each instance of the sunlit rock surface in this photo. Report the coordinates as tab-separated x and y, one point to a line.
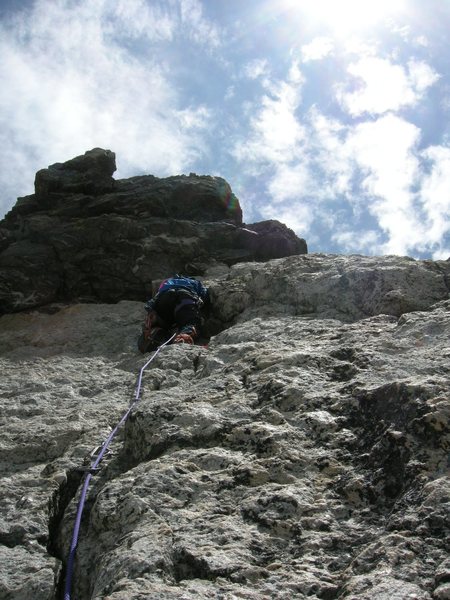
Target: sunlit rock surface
302	454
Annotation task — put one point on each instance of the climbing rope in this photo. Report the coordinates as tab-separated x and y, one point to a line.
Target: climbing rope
94	468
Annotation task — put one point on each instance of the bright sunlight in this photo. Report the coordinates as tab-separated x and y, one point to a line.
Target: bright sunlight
344	17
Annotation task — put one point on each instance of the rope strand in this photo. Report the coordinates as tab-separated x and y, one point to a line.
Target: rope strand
93	468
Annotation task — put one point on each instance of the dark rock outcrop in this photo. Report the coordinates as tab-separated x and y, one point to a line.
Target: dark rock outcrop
90	173
85	236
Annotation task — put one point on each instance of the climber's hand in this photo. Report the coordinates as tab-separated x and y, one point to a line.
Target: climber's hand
183	338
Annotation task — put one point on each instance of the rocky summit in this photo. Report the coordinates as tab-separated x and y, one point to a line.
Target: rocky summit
303	453
83	236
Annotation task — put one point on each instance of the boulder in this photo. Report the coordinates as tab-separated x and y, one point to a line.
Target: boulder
90	173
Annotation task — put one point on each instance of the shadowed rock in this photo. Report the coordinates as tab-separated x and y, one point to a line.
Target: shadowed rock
90	173
84	236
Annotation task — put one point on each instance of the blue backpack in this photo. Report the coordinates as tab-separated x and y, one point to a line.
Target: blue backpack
184	283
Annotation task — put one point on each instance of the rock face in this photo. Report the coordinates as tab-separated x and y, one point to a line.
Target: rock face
85	237
303	454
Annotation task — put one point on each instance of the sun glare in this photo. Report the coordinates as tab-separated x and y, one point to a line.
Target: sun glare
343	17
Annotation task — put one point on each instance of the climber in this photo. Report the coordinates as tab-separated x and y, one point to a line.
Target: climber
176	306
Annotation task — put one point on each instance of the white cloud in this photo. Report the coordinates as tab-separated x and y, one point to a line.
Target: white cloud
358	240
351	178
442	253
385	150
230	93
343	17
422	40
421	75
321	166
331	155
298	216
256	68
290	182
385	86
317	169
276	133
139	18
407	191
200	29
319	48
435	197
276	143
194	118
403	31
69	84
354	45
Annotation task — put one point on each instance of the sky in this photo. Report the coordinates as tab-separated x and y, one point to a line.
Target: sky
332	116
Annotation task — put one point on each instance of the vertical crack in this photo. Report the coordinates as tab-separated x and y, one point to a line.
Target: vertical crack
57	505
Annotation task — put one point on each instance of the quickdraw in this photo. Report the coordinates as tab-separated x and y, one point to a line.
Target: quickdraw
97	456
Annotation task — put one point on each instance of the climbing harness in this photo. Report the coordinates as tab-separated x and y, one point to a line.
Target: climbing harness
97	456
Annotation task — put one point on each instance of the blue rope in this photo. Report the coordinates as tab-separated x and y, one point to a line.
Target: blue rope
93	468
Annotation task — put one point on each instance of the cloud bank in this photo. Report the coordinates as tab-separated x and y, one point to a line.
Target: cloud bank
87	74
337	138
365	178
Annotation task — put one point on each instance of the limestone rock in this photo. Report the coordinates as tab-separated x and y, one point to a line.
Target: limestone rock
344	287
84	236
303	454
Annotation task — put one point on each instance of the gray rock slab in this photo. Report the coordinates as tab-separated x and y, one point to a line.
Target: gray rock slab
302	454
